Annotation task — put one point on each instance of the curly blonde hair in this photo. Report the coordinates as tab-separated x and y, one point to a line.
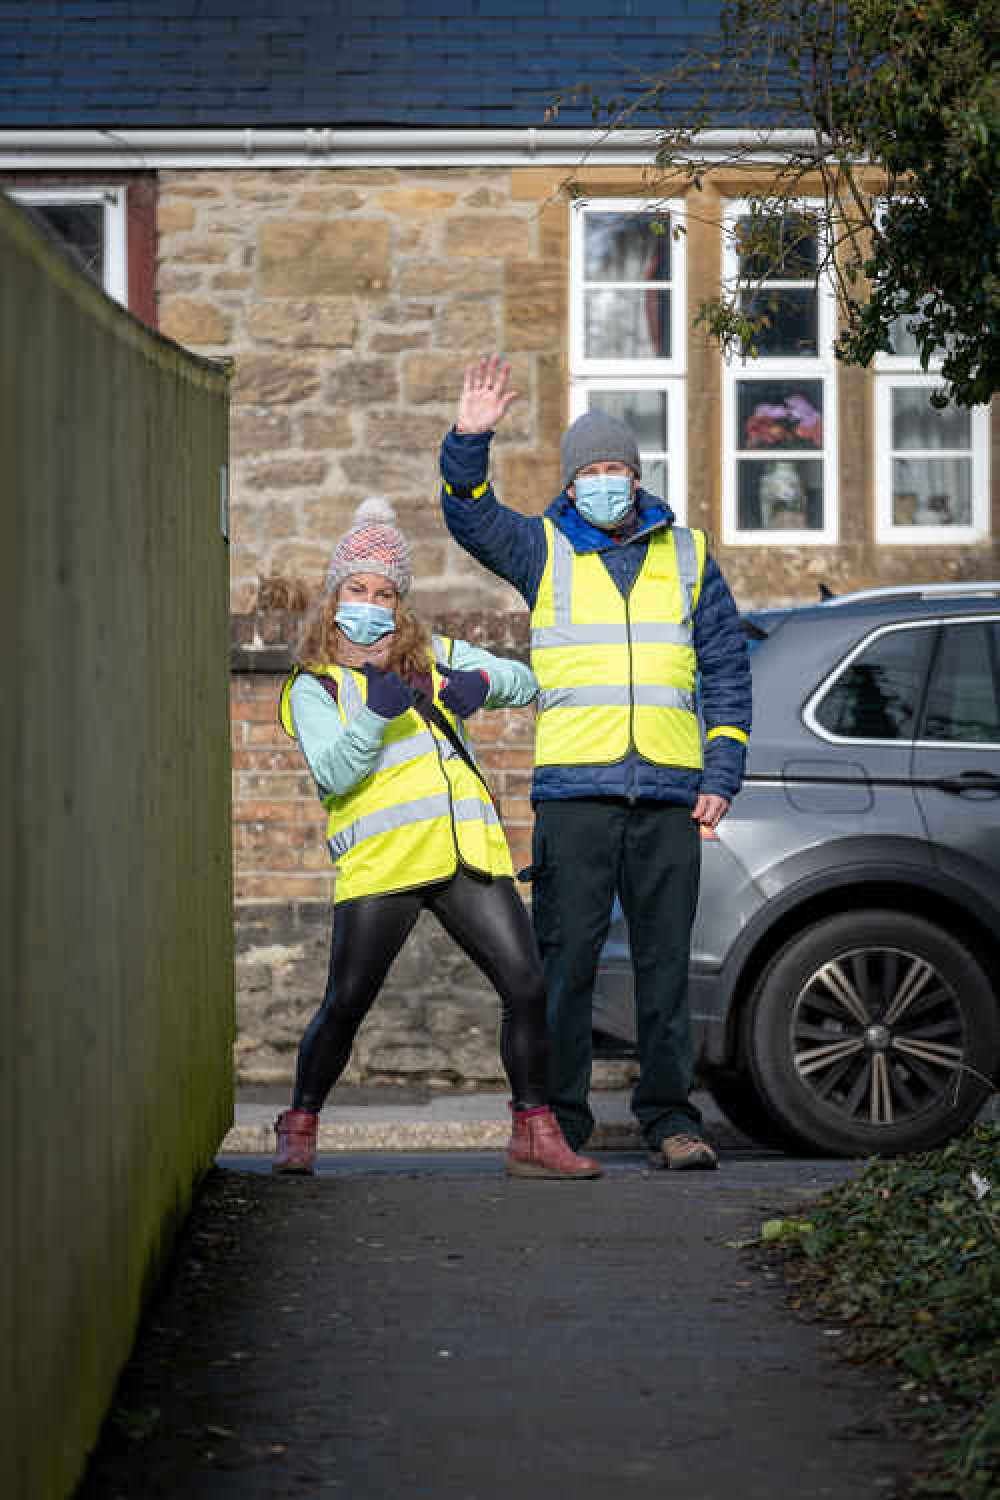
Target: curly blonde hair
409	653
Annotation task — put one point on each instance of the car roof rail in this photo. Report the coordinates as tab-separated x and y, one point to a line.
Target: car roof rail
918	591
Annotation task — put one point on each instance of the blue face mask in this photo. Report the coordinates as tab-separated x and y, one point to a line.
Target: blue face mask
364	624
603	499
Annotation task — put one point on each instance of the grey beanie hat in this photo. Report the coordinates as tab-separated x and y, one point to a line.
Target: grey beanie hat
594	438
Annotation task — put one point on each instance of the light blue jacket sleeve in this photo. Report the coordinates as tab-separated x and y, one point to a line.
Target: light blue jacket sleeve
512	684
339	755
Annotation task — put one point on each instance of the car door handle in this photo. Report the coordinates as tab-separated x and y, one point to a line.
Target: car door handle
969	781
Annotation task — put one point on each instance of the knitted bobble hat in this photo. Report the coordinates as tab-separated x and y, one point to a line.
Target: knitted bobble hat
594	438
372	544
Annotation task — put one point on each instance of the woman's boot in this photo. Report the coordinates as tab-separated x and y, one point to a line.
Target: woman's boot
538	1148
296	1148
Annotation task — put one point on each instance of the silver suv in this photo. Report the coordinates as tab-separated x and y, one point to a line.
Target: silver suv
845	971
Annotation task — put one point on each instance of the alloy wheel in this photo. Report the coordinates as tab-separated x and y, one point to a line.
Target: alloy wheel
878	1035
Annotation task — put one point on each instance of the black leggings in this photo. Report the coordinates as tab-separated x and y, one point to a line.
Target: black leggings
488	921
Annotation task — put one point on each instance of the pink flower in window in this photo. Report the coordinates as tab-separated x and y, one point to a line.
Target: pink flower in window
766	426
773	425
808	423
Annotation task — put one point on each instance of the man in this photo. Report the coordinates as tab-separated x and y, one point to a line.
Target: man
628	615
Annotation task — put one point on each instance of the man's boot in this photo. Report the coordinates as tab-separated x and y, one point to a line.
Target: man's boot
538	1148
296	1148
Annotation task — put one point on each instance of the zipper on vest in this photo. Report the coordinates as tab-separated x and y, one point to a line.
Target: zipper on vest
630	797
447	783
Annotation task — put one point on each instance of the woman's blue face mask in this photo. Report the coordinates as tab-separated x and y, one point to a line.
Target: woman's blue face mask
603	499
364	624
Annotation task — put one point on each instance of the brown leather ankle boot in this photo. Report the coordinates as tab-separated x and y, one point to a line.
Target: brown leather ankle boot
538	1148
296	1148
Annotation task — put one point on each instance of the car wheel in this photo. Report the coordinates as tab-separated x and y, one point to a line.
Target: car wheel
737	1096
873	1032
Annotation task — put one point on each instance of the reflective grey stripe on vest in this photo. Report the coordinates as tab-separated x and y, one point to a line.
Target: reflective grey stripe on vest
563	632
562	577
401	751
387	819
687	569
403	814
643	632
468	809
440	650
351	699
643	695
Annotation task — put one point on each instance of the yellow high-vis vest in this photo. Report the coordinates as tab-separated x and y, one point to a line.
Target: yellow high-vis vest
617	673
421	809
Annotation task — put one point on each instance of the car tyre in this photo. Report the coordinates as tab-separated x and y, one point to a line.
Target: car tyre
873	1032
737	1096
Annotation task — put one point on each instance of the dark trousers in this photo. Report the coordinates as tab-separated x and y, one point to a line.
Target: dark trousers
488	921
584	852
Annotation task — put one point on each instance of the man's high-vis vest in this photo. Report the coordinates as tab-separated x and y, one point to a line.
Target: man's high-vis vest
616	673
419	811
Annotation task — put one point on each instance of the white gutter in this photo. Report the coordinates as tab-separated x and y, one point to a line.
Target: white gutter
62	150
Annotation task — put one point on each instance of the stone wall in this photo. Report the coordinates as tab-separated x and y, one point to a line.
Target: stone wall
350	302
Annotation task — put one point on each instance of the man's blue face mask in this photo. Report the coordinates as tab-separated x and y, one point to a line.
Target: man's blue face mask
603	499
364	624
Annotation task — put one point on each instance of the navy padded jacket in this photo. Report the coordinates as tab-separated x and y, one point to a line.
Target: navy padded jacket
513	546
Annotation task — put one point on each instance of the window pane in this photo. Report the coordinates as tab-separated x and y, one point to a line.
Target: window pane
778	248
626	247
627	325
901	340
644	412
779	414
932	491
80	228
781	494
792	322
876	697
655	478
903	343
918	424
963	701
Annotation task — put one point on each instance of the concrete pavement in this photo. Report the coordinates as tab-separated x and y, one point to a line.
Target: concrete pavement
417	1120
422	1327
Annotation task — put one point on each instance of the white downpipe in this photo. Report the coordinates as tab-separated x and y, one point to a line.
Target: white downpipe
62	150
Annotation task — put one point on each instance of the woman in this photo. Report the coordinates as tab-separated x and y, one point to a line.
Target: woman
376	706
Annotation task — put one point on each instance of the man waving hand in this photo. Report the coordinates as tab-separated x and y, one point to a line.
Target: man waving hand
630	617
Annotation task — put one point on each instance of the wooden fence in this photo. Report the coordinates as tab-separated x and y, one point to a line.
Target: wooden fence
115	881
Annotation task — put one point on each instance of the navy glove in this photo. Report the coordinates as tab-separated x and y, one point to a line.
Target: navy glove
388	696
464	692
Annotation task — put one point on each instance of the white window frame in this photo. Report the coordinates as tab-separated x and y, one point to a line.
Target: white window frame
894	372
820	367
676	453
115	236
638	375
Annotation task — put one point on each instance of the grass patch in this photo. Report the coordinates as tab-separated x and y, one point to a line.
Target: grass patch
907	1258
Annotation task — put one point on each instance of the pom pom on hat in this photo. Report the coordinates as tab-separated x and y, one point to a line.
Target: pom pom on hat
375	508
372	544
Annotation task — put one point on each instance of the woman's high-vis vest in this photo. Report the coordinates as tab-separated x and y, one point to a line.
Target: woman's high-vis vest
419	811
616	673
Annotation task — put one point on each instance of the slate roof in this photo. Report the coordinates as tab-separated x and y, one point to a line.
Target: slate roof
360	63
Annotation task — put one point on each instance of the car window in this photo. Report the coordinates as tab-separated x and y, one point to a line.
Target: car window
963	697
877	694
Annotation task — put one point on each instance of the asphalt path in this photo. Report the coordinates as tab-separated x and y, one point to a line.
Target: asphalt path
423	1327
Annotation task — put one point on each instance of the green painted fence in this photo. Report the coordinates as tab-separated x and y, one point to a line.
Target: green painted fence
115	878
